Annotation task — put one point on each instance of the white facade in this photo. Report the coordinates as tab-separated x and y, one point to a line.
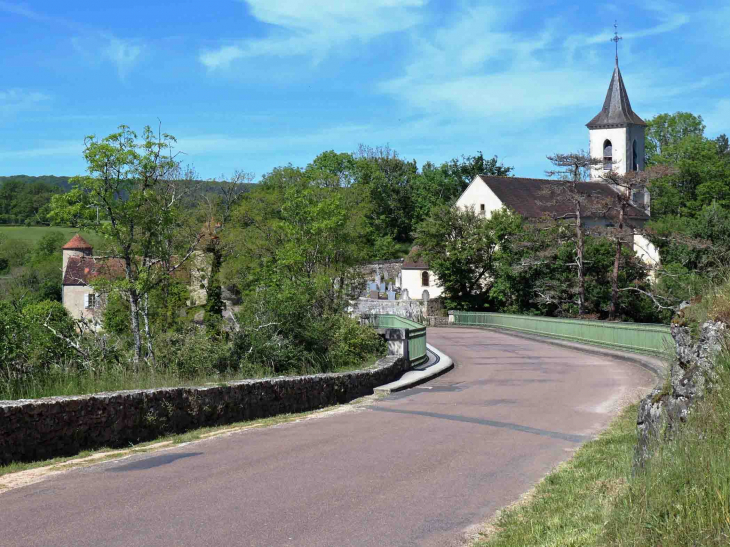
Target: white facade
413	282
479	197
627	149
81	302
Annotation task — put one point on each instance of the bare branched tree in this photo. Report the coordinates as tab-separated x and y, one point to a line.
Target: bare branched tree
575	166
582	200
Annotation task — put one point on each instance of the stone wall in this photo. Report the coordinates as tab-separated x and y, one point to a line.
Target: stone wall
45	428
410	309
689	376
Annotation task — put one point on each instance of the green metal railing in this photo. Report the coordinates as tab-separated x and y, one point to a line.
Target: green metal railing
637	337
415	333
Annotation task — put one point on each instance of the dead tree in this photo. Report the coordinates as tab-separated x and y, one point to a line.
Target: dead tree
573	169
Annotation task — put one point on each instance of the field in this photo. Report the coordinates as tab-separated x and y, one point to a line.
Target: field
32	234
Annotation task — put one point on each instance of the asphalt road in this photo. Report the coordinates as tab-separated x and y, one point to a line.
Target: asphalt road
414	469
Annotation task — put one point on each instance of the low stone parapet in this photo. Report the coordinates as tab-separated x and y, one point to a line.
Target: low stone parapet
62	426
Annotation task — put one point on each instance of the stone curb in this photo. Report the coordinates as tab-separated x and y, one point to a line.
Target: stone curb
416	377
655	365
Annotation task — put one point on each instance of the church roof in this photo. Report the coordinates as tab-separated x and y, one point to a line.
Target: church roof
77	243
616	108
535	198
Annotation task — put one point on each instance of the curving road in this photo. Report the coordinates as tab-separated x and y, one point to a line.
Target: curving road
416	468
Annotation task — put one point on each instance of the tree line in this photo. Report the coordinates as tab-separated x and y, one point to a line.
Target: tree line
289	250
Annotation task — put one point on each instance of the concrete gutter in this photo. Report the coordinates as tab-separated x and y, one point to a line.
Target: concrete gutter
438	363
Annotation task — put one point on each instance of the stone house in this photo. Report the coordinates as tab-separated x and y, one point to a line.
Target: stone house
80	268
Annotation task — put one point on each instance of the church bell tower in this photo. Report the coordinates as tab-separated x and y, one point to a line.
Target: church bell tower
616	132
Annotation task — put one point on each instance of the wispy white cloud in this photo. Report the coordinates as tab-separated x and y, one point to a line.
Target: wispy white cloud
98	47
314	29
479	68
124	54
16	100
94	45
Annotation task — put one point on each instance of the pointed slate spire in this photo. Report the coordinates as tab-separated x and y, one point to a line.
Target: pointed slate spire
616	109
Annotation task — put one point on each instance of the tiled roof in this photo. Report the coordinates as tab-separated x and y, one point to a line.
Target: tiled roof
534	198
413	263
77	243
81	270
616	108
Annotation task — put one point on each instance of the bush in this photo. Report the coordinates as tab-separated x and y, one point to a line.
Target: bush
351	342
191	354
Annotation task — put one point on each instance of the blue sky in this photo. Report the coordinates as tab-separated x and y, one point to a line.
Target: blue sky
251	85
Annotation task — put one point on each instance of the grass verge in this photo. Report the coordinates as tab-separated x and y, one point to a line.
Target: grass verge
72	382
571	505
681	498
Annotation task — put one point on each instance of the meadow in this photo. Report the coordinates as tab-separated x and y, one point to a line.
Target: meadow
32	234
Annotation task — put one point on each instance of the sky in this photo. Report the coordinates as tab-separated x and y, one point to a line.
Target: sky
250	85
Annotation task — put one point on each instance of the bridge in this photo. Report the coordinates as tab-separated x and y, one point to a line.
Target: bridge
417	467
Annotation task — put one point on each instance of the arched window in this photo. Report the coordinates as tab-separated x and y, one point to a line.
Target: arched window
635	157
607	155
424	279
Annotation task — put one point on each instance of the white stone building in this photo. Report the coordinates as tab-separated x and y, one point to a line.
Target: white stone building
77	267
80	268
616	137
417	279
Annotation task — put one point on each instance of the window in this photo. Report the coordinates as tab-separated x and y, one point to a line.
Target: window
90	301
607	155
424	279
635	157
482	209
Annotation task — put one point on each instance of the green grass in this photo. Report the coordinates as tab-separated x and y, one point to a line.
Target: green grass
571	505
681	498
72	382
32	234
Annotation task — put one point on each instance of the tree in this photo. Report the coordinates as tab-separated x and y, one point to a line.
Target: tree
723	144
138	185
388	180
575	166
463	249
665	131
573	169
297	243
465	169
219	206
624	232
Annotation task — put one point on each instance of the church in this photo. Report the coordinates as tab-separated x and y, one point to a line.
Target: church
616	136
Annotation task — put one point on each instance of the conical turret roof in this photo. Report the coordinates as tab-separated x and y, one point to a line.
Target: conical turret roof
77	243
616	108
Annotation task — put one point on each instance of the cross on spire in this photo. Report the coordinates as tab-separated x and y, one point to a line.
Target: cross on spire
616	38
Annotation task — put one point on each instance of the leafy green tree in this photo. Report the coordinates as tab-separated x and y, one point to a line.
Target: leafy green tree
138	185
434	187
388	180
464	169
297	243
464	248
664	132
